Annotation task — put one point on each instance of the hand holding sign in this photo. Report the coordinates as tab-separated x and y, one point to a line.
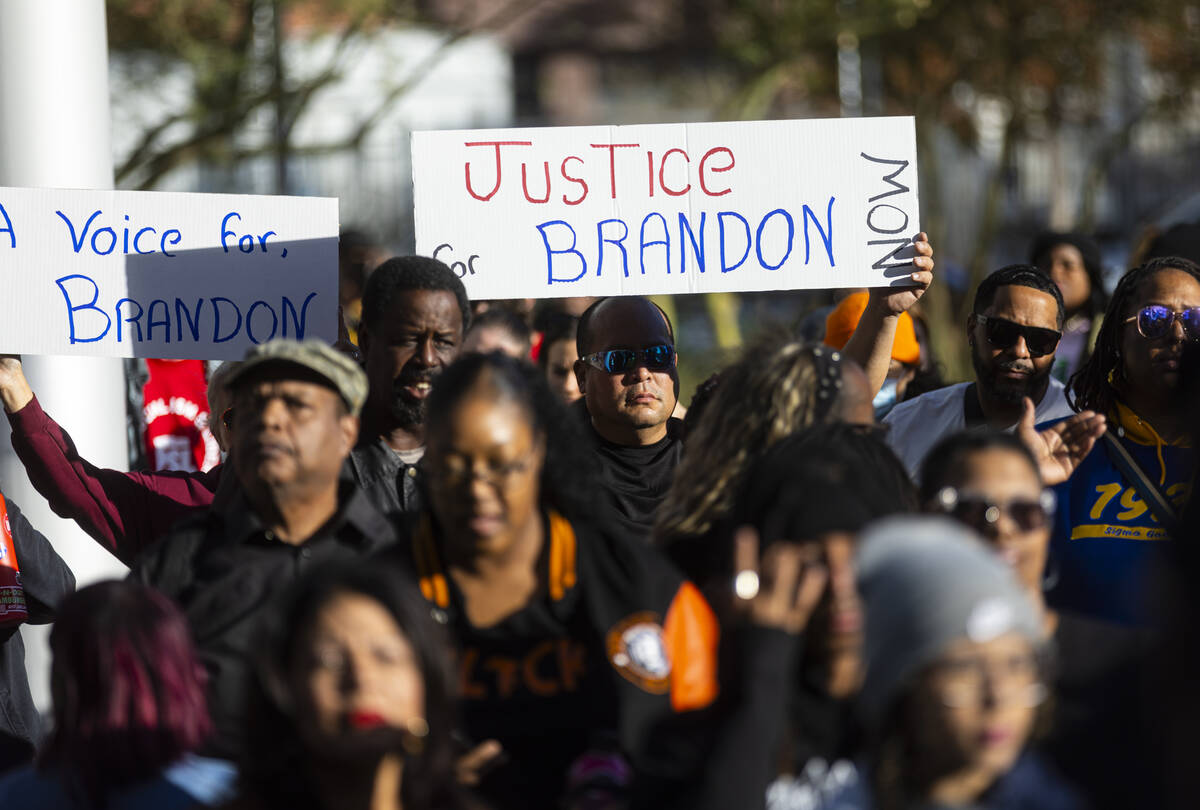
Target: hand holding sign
15	392
895	300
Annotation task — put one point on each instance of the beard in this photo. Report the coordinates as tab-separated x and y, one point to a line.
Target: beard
407	411
1005	391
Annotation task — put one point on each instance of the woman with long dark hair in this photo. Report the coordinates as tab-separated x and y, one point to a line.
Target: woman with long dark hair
129	706
1072	260
1127	491
351	704
572	638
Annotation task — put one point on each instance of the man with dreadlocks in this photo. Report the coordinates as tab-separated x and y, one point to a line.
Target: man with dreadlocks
1128	490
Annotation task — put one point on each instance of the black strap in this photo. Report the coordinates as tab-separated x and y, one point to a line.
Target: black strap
972	411
1152	496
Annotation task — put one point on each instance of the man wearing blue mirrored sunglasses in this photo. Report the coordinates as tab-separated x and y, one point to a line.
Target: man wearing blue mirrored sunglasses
627	372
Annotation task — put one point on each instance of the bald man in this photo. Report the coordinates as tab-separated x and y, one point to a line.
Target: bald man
628	377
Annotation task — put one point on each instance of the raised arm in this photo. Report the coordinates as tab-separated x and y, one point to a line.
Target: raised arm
871	344
124	512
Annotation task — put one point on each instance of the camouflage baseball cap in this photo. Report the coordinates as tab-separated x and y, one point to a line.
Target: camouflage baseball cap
343	374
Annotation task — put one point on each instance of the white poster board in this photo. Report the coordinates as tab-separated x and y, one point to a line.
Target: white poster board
153	274
669	208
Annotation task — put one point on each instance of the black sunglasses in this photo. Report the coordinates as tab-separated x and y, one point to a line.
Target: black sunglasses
1003	334
979	512
1156	320
620	361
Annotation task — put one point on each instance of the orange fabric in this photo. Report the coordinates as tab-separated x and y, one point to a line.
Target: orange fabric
691	635
431	578
556	562
841	322
562	556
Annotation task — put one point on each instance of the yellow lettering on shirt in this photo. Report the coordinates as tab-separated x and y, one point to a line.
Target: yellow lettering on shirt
1135	507
1106	492
1094	531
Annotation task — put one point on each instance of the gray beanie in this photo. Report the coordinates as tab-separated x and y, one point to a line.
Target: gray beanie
926	582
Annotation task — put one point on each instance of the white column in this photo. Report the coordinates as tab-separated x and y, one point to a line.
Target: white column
54	132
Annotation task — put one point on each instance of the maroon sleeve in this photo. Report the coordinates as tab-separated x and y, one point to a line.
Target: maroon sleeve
124	512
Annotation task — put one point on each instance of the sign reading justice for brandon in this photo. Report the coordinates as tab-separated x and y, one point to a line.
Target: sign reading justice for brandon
150	274
676	208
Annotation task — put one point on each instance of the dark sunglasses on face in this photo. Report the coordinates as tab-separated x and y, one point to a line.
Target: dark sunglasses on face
620	361
1003	334
979	512
1155	321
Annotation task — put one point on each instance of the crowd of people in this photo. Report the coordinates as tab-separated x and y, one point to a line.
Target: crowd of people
480	555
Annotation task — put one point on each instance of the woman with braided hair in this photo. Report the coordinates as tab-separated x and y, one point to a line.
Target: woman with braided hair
1128	489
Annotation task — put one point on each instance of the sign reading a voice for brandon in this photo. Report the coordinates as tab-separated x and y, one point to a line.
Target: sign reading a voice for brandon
152	274
676	208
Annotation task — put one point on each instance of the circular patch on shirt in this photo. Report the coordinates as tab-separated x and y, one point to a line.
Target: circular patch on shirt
638	650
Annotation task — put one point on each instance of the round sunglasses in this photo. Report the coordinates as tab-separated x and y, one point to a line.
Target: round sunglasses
1156	320
620	361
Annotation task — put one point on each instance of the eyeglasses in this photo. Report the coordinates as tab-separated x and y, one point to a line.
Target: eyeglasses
620	361
1014	679
1003	334
1156	320
979	511
455	472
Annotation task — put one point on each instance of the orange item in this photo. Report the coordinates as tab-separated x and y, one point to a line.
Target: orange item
12	595
840	324
692	635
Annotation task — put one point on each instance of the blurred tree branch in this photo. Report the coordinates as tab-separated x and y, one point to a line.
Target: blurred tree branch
234	77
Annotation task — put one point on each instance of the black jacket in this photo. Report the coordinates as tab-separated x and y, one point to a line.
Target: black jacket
46	580
617	642
389	483
223	569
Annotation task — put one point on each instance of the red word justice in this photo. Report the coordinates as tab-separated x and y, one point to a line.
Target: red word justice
574	170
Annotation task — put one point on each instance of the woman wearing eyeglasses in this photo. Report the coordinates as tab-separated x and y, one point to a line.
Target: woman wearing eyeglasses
990	482
572	640
953	680
1127	491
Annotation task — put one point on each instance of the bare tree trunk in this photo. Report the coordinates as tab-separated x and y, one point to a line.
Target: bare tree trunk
280	103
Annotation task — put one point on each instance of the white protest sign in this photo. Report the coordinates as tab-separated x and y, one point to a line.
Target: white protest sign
669	208
152	274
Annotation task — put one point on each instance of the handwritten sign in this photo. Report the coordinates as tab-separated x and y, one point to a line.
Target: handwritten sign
149	274
678	208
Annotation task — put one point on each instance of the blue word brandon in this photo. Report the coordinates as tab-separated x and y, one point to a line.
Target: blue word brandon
728	234
216	319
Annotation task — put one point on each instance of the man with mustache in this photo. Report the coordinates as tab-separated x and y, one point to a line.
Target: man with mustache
295	421
628	377
414	315
1013	330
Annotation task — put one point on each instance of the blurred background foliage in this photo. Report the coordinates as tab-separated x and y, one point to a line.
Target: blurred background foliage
1030	113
